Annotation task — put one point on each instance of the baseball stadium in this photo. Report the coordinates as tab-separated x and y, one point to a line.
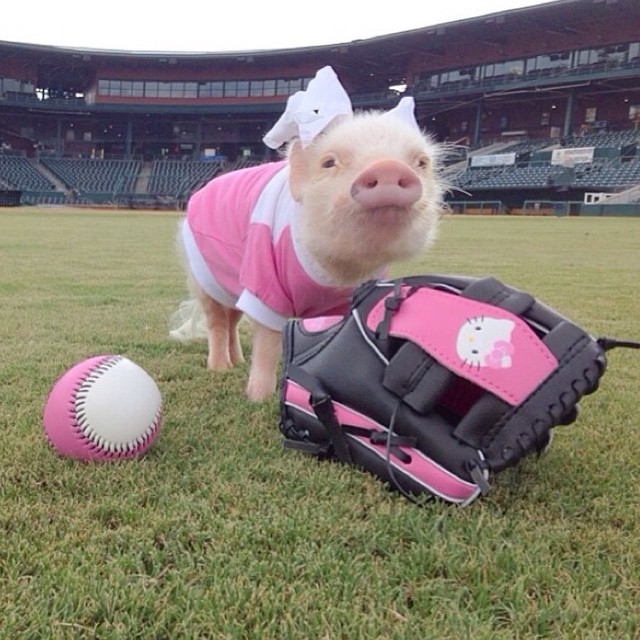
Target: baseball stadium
408	406
540	106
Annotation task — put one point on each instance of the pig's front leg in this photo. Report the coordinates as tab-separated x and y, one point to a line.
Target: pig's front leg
265	355
222	334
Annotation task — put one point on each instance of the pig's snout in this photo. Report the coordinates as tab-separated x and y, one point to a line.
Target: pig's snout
387	183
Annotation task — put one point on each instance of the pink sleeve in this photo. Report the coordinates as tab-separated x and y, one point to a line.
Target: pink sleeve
218	216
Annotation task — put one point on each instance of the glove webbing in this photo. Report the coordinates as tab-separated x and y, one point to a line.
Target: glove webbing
417	378
420	381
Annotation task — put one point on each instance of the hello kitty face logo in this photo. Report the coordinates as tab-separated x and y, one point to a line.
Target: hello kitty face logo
486	342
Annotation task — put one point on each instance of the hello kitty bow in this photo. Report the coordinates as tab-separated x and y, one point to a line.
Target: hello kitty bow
311	111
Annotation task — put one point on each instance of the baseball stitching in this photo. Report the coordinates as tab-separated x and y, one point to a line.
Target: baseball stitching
81	423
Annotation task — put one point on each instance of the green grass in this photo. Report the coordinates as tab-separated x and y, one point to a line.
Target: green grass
219	533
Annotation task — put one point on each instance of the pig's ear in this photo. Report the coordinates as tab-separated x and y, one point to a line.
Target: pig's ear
297	169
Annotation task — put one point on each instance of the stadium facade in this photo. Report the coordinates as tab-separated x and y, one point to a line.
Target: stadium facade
541	105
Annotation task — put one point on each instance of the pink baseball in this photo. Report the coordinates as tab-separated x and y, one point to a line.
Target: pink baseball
103	408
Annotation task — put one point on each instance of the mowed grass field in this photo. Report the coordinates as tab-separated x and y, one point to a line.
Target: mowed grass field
219	533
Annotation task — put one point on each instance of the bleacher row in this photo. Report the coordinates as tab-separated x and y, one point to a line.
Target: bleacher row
609	176
97	181
616	165
507	178
170	182
19	173
94	176
179	177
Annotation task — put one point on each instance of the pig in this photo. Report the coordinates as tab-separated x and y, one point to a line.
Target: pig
354	193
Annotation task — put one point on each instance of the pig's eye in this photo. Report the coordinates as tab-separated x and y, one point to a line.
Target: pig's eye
423	163
328	162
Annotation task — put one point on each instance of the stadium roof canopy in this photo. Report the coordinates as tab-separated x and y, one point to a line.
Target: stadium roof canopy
389	55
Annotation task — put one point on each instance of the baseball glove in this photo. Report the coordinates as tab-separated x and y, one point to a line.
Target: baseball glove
432	383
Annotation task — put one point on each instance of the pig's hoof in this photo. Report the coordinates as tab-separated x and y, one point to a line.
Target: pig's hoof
259	391
236	357
218	364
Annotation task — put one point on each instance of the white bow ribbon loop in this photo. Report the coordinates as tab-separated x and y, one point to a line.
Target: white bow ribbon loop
310	112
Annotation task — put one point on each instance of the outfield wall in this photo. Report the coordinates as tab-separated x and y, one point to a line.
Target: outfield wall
611	210
10	197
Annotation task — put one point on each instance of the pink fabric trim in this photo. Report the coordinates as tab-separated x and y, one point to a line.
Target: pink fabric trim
322	323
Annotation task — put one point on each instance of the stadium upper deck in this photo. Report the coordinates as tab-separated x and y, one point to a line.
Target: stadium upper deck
544	71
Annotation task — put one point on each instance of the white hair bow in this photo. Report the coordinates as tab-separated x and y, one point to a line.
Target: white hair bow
310	112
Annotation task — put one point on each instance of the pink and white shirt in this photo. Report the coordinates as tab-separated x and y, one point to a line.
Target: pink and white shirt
239	236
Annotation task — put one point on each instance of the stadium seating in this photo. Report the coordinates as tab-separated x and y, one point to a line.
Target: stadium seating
614	139
169	183
527	146
21	173
616	165
608	176
180	177
512	177
95	176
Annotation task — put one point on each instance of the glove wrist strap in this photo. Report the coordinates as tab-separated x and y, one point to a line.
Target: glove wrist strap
322	405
